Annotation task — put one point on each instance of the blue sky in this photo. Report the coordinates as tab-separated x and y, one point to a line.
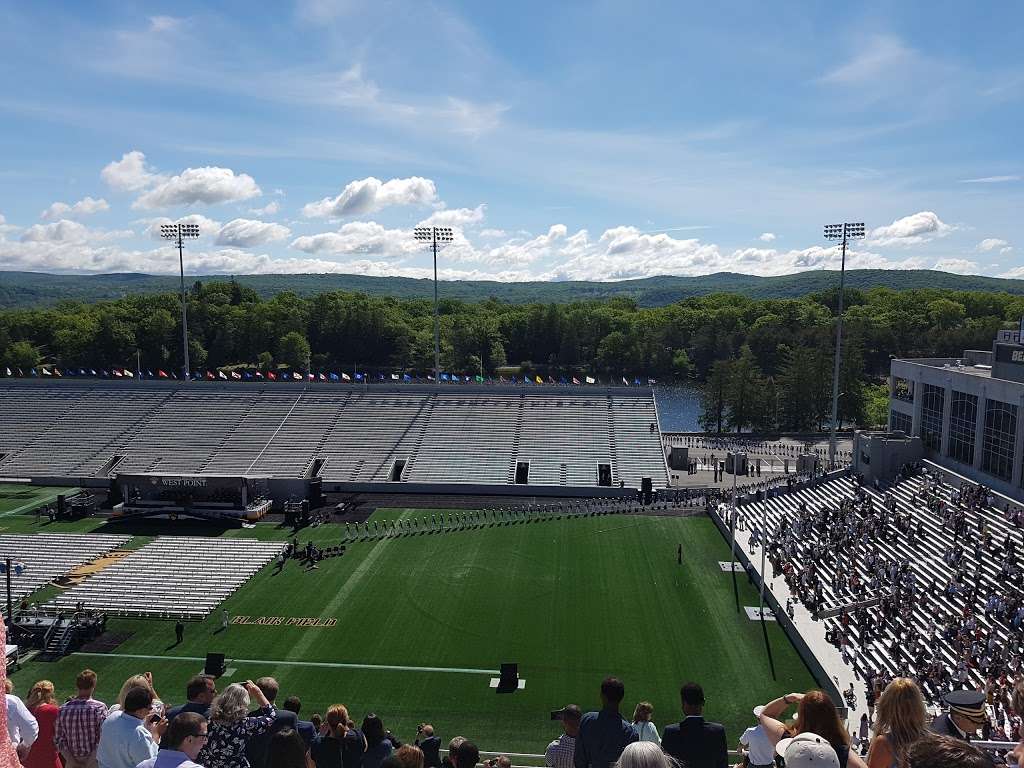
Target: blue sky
595	141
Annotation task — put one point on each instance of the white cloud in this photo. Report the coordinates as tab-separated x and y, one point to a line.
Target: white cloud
910	230
493	233
990	180
164	24
130	173
958	266
456	217
209	185
876	59
207	227
84	207
66	231
370	194
245	233
360	237
766	237
990	244
267	210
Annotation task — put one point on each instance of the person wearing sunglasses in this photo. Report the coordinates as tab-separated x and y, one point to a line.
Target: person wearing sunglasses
184	738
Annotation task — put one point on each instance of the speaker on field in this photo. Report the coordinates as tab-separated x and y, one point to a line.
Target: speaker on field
508	679
214	664
62	505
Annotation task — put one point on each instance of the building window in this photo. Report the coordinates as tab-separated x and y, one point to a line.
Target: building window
932	398
900	422
963	414
999	439
902	389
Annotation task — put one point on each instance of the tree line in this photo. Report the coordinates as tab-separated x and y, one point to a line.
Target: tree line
765	363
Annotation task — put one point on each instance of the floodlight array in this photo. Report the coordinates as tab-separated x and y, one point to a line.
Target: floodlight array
169	231
833	231
189	230
429	234
848	230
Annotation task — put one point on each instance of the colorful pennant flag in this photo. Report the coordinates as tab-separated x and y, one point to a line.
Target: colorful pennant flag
346	377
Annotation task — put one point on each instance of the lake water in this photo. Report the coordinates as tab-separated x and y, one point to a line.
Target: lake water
678	407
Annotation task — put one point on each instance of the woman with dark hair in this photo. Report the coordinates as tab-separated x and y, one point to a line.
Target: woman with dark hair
379	742
288	750
815	714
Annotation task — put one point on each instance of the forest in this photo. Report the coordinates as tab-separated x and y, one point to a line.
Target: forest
763	363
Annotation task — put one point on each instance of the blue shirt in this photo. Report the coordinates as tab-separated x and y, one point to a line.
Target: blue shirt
169	758
124	742
603	736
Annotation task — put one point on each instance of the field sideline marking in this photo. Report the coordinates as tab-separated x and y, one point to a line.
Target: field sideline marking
327	664
38	503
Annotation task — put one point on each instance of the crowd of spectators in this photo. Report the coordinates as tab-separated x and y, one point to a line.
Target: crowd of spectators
243	727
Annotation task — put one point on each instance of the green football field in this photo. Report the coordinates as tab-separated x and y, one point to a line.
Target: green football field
15	499
422	623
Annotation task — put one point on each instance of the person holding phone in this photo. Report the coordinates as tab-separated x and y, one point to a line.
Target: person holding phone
232	727
132	736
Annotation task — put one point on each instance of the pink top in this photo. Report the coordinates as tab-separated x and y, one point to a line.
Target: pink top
8	755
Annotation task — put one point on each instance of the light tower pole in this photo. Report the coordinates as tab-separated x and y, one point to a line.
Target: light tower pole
844	232
437	237
179	233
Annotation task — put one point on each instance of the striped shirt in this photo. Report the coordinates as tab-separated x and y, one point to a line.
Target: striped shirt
78	726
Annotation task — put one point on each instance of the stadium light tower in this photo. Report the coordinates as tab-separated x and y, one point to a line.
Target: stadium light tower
843	232
437	237
179	233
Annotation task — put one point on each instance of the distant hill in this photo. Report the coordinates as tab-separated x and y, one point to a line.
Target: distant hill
27	289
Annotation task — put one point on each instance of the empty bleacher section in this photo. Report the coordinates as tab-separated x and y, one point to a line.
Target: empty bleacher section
172	577
564	439
49	555
460	435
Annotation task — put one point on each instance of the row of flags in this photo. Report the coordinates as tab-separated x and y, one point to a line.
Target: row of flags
322	376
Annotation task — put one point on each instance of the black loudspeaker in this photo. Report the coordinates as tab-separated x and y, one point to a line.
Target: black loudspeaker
214	664
508	679
604	475
646	486
62	505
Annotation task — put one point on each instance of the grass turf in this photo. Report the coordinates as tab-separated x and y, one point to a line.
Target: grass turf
570	600
15	499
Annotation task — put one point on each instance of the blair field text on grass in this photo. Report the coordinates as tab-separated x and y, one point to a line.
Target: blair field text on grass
285	621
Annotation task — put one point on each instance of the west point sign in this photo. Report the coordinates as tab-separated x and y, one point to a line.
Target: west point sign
312	622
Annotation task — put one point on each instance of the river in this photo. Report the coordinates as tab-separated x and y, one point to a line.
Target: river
678	407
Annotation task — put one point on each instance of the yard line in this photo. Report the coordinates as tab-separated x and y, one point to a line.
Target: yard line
324	664
37	503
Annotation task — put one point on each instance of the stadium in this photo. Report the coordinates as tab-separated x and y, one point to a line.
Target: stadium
482	385
422	549
421	616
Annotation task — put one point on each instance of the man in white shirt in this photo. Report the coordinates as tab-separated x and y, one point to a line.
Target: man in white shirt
21	725
133	737
760	750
